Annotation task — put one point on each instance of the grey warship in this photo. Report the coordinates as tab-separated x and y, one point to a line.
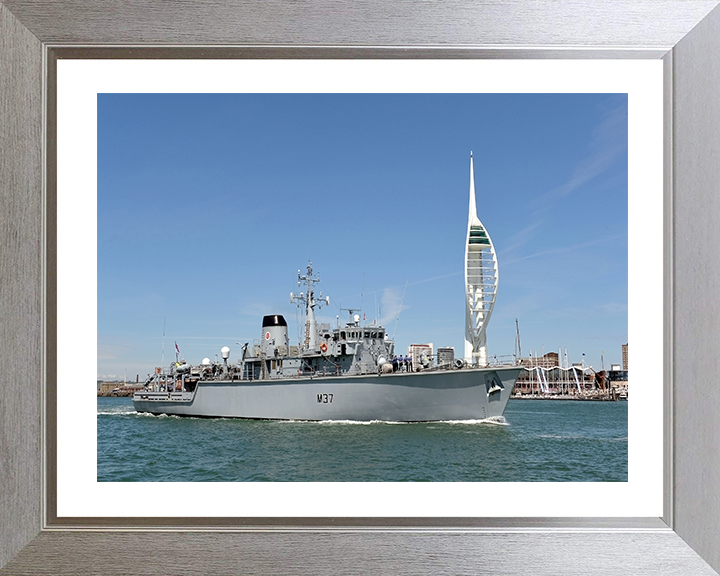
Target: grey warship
349	372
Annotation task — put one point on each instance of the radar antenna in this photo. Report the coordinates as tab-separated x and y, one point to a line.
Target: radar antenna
350	312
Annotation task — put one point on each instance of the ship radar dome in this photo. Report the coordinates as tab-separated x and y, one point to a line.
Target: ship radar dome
225	351
206	362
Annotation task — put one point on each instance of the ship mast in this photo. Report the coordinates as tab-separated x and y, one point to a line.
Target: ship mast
310	302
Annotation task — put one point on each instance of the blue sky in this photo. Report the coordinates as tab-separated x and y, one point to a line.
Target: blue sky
208	204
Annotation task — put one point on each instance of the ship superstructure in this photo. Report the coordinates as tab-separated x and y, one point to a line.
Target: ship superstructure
346	372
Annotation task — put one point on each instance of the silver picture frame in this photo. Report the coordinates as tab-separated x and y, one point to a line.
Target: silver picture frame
685	34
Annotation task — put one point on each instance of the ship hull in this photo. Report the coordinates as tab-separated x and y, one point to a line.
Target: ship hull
466	394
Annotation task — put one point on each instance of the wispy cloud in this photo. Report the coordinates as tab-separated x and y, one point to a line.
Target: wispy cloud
392	305
614	308
251	308
565	249
392	297
607	145
358	296
434	278
522	236
110	348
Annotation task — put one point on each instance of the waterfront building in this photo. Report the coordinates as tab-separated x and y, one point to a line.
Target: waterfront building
421	355
445	355
618	376
553	375
625	356
108	387
549	360
481	281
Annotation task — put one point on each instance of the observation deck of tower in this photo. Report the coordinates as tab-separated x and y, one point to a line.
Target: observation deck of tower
481	281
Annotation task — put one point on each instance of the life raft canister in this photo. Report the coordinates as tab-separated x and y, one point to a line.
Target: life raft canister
323	347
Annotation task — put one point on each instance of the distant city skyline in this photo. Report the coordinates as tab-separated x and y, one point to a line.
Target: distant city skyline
208	204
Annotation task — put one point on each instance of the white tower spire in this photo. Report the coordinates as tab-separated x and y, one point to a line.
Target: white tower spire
481	280
473	207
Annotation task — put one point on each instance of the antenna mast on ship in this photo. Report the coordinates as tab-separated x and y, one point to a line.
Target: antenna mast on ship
310	302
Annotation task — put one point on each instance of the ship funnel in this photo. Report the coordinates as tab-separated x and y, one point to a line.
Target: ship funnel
275	332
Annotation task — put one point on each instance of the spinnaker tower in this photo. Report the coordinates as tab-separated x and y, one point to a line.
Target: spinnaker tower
481	281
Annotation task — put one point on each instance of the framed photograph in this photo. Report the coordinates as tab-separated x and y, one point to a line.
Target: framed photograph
365	125
405	528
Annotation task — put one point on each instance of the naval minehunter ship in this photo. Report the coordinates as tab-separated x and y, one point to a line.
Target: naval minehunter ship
348	372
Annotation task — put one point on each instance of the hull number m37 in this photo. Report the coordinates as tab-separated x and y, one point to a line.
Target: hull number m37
324	398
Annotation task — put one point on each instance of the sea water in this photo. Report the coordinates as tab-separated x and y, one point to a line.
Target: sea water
536	441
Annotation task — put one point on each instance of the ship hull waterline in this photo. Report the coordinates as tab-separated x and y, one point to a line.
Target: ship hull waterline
468	394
